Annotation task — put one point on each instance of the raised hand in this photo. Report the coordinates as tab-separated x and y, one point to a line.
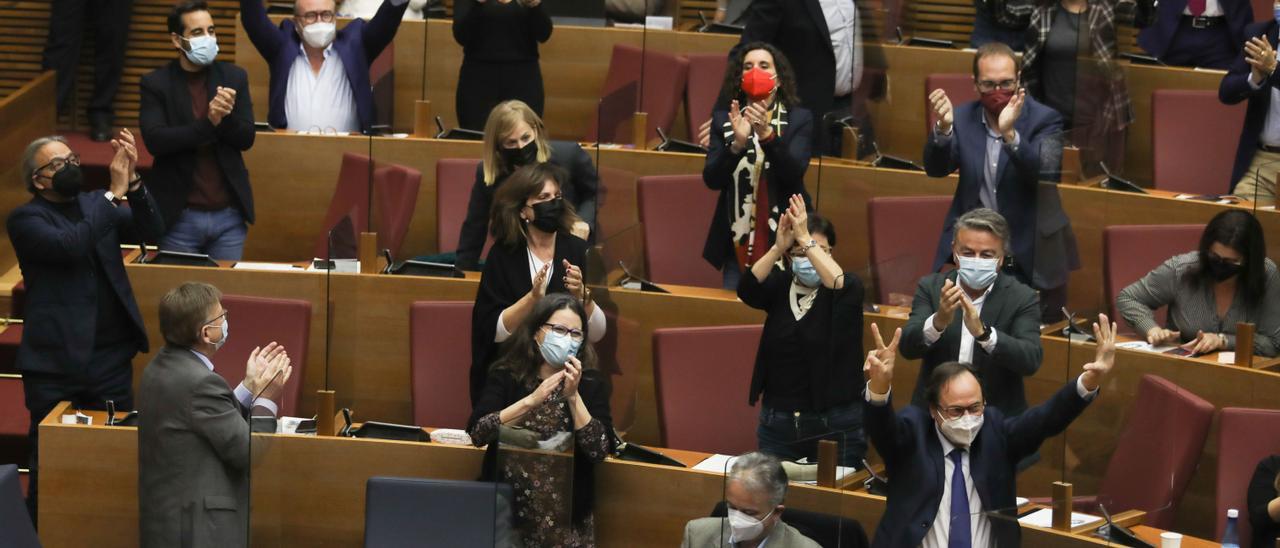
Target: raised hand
941	105
123	162
1010	114
741	127
704	134
972	318
275	384
879	365
539	282
786	235
221	104
572	376
1260	56
799	219
948	302
1105	355
758	115
1157	336
1205	343
544	390
573	279
257	371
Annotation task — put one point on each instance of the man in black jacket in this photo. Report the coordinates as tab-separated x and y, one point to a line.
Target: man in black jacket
197	119
82	327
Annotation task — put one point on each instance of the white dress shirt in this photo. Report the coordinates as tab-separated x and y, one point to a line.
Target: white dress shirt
1211	9
967	339
846	43
595	323
243	395
320	100
1270	135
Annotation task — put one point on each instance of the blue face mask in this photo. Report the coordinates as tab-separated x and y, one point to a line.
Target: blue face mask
203	50
1277	13
556	349
976	272
802	268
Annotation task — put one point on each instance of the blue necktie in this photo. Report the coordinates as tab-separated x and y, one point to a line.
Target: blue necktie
959	535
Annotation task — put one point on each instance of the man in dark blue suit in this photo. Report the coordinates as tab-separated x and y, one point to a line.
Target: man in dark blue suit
82	327
951	468
1197	33
1004	146
1254	77
320	75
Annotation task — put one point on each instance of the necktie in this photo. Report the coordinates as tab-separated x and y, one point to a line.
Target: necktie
959	535
1196	7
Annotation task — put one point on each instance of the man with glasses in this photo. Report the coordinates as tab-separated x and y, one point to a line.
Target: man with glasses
197	119
82	325
1004	145
319	74
951	467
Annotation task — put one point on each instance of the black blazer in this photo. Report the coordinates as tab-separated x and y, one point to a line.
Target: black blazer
56	256
172	135
1157	38
908	443
788	157
799	29
1235	88
1261	490
504	281
1012	310
581	190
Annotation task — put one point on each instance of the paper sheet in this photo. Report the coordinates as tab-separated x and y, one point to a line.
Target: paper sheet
1044	518
246	265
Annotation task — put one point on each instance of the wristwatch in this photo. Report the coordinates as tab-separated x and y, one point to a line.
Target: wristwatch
812	244
111	197
986	334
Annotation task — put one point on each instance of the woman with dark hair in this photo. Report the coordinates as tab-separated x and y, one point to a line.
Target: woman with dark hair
534	254
546	384
1229	280
809	363
760	148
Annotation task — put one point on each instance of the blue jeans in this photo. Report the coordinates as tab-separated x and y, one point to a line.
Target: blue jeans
792	436
732	274
219	234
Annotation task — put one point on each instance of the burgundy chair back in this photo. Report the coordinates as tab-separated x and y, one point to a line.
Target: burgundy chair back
255	322
439	365
1157	451
703	375
959	88
454	178
904	234
350	200
675	211
706	74
395	189
658	95
10	340
1245	436
14	422
1131	251
1182	121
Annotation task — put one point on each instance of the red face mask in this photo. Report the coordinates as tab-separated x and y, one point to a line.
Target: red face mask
995	100
757	84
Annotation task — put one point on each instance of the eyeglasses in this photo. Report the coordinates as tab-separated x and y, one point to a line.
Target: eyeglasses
796	252
542	198
317	130
313	16
956	411
575	334
216	318
57	164
1224	260
988	85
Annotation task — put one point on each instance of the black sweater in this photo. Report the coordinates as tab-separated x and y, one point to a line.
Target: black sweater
1261	490
497	32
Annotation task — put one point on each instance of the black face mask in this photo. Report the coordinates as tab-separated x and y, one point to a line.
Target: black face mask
546	215
1222	270
516	157
67	181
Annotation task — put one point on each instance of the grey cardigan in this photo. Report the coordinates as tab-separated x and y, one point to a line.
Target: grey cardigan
1192	309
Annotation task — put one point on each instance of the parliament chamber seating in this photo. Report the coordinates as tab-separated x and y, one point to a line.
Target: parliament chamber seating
706	74
1183	123
433	513
904	237
440	361
1245	437
703	375
454	179
1132	251
675	212
395	190
256	321
959	87
658	94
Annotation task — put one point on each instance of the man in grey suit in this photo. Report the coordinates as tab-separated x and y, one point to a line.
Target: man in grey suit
193	429
754	491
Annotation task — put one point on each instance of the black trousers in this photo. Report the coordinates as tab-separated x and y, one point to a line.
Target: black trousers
1208	48
109	378
68	21
482	85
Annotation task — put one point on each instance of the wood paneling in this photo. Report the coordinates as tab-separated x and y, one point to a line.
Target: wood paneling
26	114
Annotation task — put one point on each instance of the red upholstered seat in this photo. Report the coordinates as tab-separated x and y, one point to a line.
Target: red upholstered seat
659	94
959	88
10	339
18	300
706	74
1131	251
350	200
440	362
454	178
675	211
1182	122
1156	452
904	233
395	189
702	376
1245	436
15	420
256	322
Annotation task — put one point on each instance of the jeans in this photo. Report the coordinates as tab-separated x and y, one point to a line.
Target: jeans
219	234
732	274
792	436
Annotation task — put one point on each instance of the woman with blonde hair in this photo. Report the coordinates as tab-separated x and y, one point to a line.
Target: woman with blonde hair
514	136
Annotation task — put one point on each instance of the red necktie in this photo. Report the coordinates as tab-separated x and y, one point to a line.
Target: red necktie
1196	7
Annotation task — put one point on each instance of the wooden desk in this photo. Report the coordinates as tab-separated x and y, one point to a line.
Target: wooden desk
25	115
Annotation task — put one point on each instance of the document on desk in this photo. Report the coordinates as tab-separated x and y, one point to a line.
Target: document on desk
1044	518
720	464
1144	346
246	265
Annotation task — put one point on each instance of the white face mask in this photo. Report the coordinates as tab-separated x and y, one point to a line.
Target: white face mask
225	333
743	527
962	431
319	34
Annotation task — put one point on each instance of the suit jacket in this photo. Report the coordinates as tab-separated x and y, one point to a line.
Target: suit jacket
1102	84
172	135
1033	210
193	456
714	533
580	190
1011	309
357	44
1157	38
1235	88
799	29
56	256
908	443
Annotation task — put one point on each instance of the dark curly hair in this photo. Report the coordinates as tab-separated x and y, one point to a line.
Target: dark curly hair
731	88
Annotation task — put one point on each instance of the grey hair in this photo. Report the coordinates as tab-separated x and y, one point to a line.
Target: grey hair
986	220
760	472
29	166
